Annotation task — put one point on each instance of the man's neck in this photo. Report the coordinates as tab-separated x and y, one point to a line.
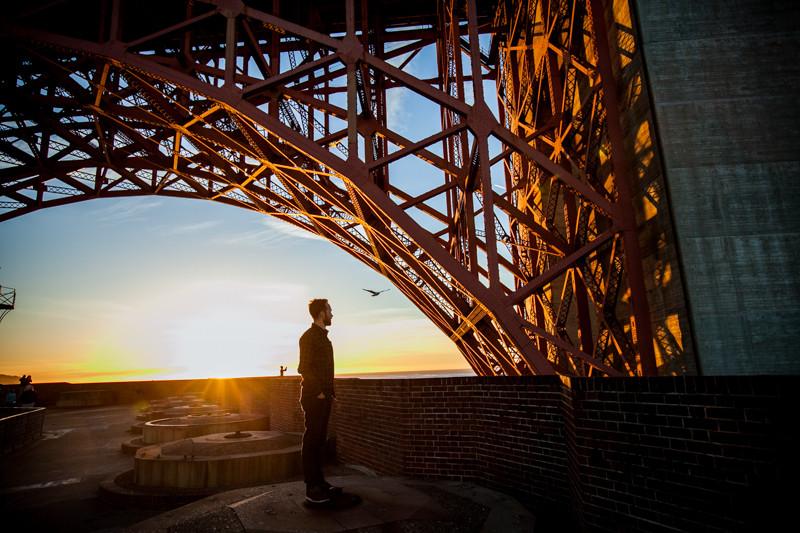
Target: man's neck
321	324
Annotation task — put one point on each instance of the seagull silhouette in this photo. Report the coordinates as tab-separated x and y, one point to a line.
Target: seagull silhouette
374	293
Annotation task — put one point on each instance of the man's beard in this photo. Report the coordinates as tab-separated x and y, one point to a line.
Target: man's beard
326	321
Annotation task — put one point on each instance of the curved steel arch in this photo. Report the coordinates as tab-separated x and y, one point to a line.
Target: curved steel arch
200	103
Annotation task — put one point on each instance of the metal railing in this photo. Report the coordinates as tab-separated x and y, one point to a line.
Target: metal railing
20	426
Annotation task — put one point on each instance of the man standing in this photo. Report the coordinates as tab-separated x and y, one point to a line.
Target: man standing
317	394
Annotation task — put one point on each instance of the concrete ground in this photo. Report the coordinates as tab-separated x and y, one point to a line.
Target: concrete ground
53	486
389	505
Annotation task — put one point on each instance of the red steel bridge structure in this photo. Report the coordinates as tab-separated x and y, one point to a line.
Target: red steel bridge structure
510	224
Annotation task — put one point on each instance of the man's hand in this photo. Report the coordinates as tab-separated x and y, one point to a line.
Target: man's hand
321	396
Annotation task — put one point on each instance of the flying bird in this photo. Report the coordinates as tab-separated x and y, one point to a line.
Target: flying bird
374	293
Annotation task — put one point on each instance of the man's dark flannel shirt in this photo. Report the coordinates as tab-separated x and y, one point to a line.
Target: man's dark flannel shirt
316	362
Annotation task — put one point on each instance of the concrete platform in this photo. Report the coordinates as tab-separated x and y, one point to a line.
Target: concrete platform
389	504
53	486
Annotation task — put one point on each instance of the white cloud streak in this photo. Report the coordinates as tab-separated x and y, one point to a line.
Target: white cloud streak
125	211
192	228
270	232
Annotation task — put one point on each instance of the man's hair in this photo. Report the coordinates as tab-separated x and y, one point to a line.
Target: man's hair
317	306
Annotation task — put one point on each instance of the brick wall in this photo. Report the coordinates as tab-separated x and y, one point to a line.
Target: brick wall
440	434
631	454
691	453
505	433
520	437
371	422
284	405
650	454
244	394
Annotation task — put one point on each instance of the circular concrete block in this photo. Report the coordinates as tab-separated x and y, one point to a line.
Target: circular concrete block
179	411
212	461
169	429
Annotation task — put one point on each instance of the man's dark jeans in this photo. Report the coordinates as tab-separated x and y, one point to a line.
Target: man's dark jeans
317	412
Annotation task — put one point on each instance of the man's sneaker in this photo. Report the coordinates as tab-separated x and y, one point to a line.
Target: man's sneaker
317	494
332	490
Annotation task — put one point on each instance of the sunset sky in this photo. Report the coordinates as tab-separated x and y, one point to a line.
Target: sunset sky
154	288
160	288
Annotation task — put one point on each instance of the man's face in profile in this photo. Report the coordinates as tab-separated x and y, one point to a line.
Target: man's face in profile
327	317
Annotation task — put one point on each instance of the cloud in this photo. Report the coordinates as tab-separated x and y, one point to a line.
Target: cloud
240	336
270	232
397	115
226	290
192	228
144	373
123	211
287	229
381	316
77	309
258	237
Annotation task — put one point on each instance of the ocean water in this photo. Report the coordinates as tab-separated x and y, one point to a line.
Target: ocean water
412	374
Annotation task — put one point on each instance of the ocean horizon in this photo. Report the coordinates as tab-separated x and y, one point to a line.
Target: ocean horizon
410	374
7	380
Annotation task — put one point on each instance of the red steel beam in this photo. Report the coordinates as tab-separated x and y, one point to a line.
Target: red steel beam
172	118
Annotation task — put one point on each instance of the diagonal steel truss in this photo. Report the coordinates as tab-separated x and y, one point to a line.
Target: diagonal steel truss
516	236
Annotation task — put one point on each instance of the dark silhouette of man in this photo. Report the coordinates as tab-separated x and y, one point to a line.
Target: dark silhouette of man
317	394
